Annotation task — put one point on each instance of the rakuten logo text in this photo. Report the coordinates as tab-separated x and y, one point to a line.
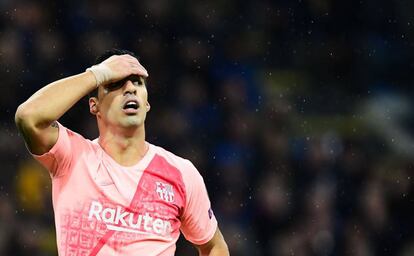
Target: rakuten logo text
120	220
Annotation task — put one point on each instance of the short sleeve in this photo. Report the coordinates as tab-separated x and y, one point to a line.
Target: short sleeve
198	223
59	157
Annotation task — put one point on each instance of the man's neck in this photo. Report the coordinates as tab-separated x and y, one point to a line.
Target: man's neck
126	147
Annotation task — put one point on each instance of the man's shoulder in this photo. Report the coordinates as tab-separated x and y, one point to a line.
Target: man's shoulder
75	137
178	162
188	172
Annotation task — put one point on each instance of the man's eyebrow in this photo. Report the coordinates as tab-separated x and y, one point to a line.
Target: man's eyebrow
120	83
114	85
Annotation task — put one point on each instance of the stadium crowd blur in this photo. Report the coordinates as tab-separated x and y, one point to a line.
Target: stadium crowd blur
297	114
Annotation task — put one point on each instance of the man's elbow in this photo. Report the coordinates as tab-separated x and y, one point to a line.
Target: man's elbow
22	116
39	138
27	118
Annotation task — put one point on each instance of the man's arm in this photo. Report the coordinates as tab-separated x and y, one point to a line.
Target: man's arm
35	118
215	247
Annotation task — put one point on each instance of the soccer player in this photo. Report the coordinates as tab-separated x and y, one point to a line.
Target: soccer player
117	194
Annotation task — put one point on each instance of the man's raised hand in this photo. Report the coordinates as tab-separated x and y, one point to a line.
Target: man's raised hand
117	67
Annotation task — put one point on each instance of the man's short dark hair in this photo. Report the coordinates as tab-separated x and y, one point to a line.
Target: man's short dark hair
106	55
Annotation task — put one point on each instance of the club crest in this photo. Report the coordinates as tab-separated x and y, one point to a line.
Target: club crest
165	191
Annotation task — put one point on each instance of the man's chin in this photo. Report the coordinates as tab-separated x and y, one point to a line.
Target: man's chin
131	122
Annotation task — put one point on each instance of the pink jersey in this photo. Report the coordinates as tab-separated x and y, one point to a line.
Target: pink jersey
103	208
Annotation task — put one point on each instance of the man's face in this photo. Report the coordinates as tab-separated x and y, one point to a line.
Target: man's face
122	104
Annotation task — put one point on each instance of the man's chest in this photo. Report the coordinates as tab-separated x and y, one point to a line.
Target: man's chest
133	207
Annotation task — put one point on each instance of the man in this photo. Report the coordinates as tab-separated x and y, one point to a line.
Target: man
117	194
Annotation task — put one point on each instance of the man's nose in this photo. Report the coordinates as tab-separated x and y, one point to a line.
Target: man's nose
130	87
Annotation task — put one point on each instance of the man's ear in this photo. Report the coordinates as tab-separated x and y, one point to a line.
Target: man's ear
93	105
147	106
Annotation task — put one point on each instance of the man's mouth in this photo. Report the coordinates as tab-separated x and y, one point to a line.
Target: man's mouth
131	106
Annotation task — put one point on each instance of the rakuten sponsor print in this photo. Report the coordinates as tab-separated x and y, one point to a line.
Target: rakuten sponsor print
120	220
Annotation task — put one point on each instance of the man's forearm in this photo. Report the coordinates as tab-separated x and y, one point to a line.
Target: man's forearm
217	251
52	101
217	246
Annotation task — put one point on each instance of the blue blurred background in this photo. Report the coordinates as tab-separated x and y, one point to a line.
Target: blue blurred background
297	114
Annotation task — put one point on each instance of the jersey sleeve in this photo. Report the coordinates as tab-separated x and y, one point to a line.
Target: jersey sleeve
58	159
198	223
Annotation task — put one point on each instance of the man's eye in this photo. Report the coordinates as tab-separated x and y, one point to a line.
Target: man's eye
136	80
114	86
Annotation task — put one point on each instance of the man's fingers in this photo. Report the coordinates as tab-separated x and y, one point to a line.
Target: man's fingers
134	63
137	64
140	71
131	59
128	64
134	60
139	68
144	70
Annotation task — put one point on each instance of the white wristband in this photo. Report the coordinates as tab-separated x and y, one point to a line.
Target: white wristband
101	72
